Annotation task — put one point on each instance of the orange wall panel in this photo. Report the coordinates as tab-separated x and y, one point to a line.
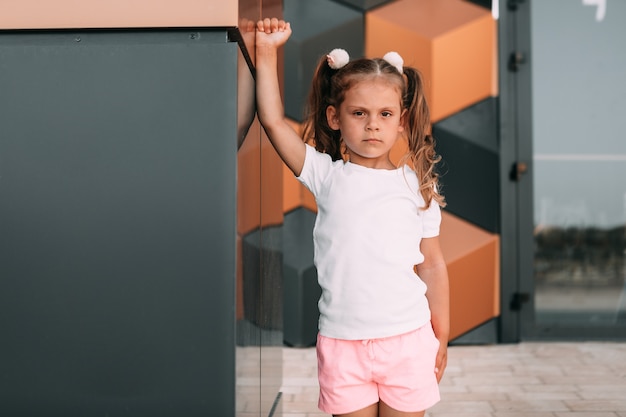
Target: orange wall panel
473	259
431	18
494	66
296	195
259	182
474	289
452	42
383	35
248	182
271	185
62	14
456	87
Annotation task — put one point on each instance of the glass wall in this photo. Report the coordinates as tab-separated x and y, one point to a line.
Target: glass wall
579	160
259	318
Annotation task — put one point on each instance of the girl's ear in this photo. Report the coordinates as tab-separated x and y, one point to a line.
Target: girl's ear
332	117
403	117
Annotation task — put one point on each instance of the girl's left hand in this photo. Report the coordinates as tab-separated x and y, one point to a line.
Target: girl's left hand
272	32
441	361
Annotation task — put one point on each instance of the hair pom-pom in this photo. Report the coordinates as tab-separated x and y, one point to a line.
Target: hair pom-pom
337	58
396	60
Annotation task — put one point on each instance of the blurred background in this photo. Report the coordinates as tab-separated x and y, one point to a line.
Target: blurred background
154	251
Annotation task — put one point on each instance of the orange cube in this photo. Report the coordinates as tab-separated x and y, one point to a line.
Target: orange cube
452	42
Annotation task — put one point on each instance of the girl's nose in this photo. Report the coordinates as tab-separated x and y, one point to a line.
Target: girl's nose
371	125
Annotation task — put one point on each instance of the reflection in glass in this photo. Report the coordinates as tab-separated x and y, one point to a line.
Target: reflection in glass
259	239
579	163
580	241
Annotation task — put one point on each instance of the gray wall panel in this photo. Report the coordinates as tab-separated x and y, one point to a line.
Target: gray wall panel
117	223
468	144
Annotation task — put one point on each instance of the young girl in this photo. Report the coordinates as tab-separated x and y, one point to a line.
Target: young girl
384	320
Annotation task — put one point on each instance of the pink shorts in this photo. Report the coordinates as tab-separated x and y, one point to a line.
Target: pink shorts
399	370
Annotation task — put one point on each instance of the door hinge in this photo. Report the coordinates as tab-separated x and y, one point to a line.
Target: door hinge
514	4
518	299
516	59
517	170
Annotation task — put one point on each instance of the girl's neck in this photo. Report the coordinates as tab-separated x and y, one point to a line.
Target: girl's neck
374	163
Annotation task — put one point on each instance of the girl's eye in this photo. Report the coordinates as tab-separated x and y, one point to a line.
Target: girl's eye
358	113
386	114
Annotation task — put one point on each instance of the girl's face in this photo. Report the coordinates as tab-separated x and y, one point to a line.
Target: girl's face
370	120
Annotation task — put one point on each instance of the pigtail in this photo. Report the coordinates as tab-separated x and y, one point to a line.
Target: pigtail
316	129
421	154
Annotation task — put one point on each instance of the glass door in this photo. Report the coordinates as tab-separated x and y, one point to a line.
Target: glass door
578	171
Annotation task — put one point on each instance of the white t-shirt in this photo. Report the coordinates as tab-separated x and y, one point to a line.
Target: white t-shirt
367	237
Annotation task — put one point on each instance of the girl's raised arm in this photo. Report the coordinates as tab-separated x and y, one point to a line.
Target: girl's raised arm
271	34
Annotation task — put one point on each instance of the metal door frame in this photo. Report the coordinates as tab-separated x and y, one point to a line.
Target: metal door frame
517	321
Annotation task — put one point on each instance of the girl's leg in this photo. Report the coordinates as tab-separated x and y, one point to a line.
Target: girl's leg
386	411
371	411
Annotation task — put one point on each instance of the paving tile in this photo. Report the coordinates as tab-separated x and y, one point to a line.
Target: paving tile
530	406
495	388
446	389
301	407
584	380
537	369
522	414
604	395
461	407
550	388
486	379
597	405
540	396
588	370
456	414
473	396
612	389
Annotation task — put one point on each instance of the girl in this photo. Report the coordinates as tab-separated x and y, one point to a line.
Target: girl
384	321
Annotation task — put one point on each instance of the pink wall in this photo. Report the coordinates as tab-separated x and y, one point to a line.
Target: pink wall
61	14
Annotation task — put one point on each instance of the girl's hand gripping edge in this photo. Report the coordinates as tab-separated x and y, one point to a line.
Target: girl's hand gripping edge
272	33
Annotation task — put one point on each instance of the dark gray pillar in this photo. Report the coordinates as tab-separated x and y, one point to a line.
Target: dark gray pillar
117	223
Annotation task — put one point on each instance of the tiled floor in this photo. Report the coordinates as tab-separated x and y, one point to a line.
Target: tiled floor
519	380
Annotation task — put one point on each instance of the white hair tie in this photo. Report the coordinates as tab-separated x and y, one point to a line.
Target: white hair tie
337	58
395	59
